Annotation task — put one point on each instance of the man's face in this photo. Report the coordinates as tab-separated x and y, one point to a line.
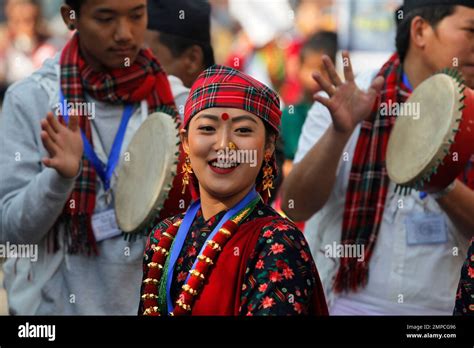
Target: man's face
22	19
452	44
111	32
312	61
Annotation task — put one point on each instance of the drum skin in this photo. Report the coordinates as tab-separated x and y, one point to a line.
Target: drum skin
429	152
147	177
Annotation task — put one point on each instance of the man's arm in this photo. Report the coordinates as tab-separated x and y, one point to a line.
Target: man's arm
316	173
310	183
459	205
31	198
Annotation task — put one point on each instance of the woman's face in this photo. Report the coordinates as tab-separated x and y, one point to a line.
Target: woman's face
222	170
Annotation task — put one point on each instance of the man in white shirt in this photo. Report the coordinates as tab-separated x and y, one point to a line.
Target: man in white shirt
179	35
401	277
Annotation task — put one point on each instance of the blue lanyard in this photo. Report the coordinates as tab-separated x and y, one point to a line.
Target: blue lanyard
183	232
105	172
406	82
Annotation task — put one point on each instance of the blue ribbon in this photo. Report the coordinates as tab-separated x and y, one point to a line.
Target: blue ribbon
183	232
105	172
406	82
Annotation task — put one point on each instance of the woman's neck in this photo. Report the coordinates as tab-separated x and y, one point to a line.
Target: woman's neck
211	205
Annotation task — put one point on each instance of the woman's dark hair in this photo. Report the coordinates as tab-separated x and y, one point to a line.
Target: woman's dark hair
178	45
433	15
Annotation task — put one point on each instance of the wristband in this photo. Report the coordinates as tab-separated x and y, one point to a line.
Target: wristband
444	192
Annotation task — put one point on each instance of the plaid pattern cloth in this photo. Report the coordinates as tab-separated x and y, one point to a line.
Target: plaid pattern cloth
223	87
368	181
144	79
220	86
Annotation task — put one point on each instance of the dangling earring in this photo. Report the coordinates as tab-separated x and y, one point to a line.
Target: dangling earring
187	171
268	174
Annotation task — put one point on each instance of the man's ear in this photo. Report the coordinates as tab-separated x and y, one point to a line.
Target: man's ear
183	134
69	16
194	59
420	30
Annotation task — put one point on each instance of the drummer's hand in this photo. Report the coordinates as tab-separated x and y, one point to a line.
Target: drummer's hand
64	145
348	104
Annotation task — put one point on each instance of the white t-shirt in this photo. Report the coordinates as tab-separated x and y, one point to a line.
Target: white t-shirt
180	93
404	279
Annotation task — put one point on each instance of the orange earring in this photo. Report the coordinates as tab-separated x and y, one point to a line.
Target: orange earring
187	170
268	174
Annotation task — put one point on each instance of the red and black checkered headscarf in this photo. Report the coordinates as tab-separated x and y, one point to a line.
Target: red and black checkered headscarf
143	80
223	87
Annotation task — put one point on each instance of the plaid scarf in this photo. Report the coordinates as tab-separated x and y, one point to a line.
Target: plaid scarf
144	79
368	181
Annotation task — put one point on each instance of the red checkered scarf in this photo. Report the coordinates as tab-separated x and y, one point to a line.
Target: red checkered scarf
223	87
145	79
368	181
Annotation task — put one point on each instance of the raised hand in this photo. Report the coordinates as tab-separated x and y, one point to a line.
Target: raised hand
64	145
348	104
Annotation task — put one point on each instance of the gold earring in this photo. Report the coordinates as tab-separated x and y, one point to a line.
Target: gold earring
186	171
268	174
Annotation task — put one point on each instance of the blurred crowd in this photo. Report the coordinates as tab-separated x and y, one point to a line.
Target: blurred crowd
32	30
279	42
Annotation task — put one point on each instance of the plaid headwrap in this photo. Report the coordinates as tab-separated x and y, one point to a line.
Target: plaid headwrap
368	181
223	87
145	79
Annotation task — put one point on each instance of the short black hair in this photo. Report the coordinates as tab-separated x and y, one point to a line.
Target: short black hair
75	4
433	15
178	45
323	41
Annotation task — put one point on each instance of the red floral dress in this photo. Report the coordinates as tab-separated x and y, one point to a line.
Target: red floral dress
280	275
465	293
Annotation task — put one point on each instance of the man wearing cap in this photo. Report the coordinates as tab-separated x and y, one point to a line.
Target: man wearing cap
63	132
179	35
341	159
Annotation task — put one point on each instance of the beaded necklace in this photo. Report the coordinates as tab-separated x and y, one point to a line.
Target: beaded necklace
205	261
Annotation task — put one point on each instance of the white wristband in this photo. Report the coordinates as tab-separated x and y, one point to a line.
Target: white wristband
444	192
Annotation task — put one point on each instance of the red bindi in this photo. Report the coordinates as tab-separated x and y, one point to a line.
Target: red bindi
225	116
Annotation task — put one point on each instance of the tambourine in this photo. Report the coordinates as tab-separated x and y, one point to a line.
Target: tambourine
145	179
428	151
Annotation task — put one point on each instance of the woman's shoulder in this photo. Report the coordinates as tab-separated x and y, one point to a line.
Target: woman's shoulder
269	218
277	231
161	227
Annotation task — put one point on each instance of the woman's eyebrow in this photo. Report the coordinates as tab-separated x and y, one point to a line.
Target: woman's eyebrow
243	118
209	116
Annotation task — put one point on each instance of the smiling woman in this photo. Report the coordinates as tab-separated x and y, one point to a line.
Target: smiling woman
230	254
